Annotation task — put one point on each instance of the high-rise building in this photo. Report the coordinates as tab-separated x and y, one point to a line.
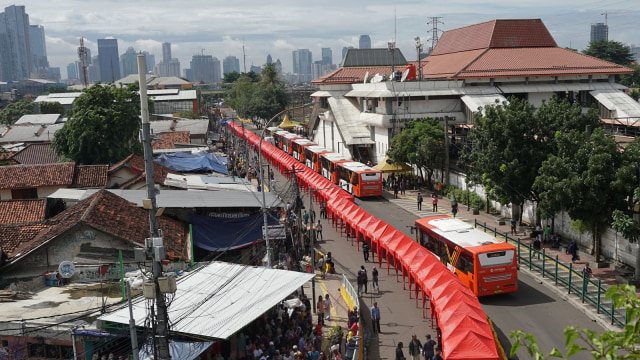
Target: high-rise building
129	62
327	56
302	61
72	72
39	62
166	52
173	68
93	70
599	31
344	52
53	74
149	61
205	69
279	66
269	59
230	64
365	42
15	49
109	63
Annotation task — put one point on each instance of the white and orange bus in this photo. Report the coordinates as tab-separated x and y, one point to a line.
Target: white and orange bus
286	142
312	157
328	163
359	179
485	264
298	146
277	137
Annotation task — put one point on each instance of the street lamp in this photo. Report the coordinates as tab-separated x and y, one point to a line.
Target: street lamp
264	200
419	51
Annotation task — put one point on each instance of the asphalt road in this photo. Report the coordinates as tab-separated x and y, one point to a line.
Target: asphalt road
536	308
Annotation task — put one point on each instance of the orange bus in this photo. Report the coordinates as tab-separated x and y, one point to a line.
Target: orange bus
328	162
298	146
277	137
312	157
271	130
286	142
485	264
359	179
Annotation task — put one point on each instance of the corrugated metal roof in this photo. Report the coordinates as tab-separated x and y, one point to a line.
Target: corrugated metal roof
193	126
321	93
219	299
30	133
474	102
182	95
38	119
346	113
373	57
621	103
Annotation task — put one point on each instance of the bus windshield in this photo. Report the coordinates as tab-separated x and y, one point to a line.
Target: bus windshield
496	258
371	176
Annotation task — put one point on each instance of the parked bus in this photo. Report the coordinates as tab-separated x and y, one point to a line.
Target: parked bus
298	146
312	157
485	264
277	137
286	142
271	130
328	162
359	179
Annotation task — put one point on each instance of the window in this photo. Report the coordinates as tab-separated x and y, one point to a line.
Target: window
31	193
496	258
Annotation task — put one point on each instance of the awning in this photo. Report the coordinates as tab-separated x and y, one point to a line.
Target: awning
385	167
475	102
221	234
218	300
286	123
321	93
360	141
179	350
621	103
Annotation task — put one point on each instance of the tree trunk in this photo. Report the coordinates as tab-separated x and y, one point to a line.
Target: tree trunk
521	212
596	243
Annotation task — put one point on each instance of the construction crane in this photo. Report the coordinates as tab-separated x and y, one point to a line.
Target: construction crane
607	13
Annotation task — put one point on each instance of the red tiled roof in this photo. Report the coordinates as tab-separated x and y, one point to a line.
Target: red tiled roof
446	66
169	139
22	211
352	75
37	153
90	176
29	176
112	215
14	236
136	164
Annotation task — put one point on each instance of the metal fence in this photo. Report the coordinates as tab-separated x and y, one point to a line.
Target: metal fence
590	292
352	300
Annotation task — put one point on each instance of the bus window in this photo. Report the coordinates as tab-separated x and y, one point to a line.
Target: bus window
496	258
371	176
354	178
465	263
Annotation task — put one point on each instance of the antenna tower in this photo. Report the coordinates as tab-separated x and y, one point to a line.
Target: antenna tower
82	54
434	20
244	57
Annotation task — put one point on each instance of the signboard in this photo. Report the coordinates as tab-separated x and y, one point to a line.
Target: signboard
66	269
275	232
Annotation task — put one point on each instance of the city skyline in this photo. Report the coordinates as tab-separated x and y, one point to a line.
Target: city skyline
297	26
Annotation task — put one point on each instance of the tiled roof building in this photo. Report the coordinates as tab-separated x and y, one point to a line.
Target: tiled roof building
130	173
22	211
41	153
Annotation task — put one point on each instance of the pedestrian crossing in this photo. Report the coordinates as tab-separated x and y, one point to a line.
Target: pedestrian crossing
409	203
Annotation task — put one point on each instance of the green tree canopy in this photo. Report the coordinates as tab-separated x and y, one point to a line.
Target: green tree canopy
420	143
231	77
14	111
612	51
270	75
51	107
103	125
240	94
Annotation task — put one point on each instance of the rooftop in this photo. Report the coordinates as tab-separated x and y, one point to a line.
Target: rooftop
22	211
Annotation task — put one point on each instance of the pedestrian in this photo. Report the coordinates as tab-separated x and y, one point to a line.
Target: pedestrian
587	272
573	250
327	307
403	186
438	354
428	348
513	226
420	202
365	251
320	310
374	279
454	209
399	353
305	218
375	317
415	348
353	317
273	185
395	190
319	231
323	210
546	234
434	202
361	280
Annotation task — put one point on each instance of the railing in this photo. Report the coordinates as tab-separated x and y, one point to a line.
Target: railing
563	275
352	300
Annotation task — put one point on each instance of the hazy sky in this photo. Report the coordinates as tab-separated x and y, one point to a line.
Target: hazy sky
219	28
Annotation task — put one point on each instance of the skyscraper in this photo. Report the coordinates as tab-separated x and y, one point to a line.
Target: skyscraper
230	64
129	62
327	56
344	52
166	52
365	42
269	59
39	62
149	61
15	50
302	61
72	72
108	57
599	31
205	68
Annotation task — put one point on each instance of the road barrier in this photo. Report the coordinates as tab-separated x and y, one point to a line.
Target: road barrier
591	292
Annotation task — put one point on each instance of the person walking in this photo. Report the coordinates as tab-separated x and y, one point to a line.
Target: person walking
434	202
319	231
320	310
399	353
573	250
327	307
374	280
513	226
428	348
375	317
587	272
415	348
365	251
361	280
438	354
420	202
395	190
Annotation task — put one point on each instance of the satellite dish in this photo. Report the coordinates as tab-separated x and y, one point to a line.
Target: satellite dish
365	78
377	78
404	75
66	269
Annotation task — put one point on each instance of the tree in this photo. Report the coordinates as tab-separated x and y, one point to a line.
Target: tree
420	143
103	125
632	80
270	76
612	51
14	111
635	94
584	179
630	171
231	77
511	140
51	107
608	345
240	94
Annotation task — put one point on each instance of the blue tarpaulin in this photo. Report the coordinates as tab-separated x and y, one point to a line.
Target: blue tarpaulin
179	350
220	234
187	162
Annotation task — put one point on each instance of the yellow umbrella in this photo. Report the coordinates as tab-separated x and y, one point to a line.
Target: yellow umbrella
385	167
286	123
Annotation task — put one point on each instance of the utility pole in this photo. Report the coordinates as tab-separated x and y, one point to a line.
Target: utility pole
156	245
434	31
298	203
312	236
